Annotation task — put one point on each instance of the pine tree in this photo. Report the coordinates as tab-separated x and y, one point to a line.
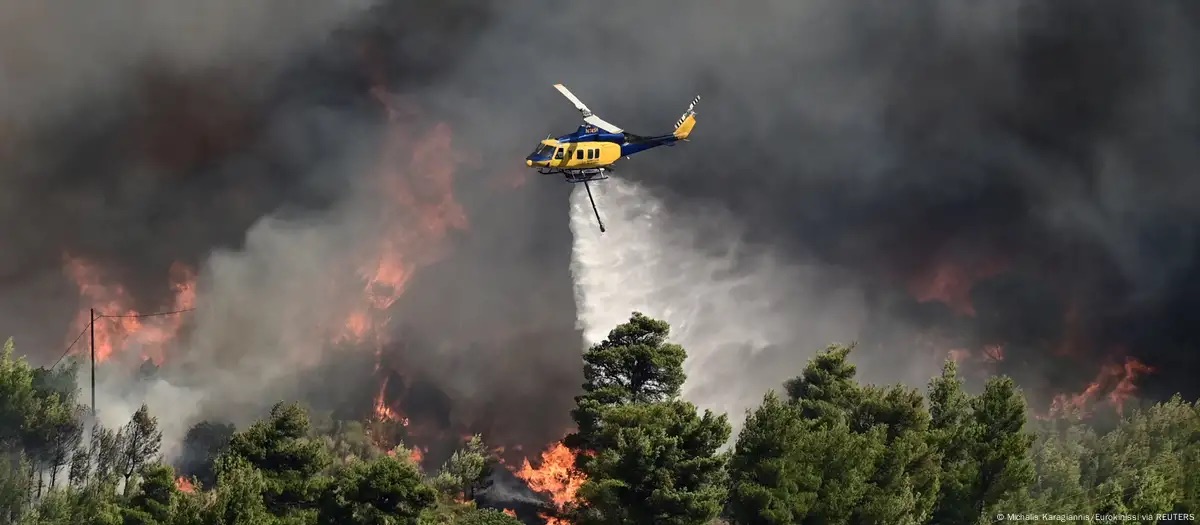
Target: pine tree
139	444
648	456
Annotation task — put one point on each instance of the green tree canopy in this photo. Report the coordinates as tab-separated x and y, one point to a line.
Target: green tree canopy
648	456
201	446
152	503
375	491
635	364
464	472
836	452
290	463
832	451
487	517
139	444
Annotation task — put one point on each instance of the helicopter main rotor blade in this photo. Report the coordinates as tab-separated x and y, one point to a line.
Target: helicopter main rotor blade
574	100
588	116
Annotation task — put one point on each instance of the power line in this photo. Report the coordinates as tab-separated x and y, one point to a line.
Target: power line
105	316
155	314
72	345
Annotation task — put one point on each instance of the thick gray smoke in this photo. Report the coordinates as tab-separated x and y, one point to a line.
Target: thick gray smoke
870	143
135	136
55	55
844	149
287	153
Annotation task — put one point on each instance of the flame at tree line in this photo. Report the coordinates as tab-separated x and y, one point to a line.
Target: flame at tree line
152	336
555	476
415	173
426	161
1053	133
387	270
951	284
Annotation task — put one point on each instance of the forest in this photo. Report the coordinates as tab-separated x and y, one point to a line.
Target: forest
821	449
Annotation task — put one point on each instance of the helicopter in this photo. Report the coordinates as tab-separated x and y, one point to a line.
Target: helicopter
589	153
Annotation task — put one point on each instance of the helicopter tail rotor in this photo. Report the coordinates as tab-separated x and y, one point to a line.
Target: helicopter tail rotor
683	126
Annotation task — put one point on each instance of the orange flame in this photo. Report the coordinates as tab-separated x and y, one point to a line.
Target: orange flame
383	412
1115	382
415	455
556	475
184	485
988	355
121	328
510	512
415	174
414	179
993	353
951	284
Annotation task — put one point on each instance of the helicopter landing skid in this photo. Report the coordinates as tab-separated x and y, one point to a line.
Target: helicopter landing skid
575	176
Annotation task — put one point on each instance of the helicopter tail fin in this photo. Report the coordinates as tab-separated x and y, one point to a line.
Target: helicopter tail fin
683	127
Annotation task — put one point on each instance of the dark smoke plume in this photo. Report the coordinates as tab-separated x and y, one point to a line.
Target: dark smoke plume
241	140
883	139
875	142
868	142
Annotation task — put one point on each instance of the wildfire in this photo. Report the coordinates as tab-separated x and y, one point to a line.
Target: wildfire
119	325
415	455
993	353
556	476
1114	382
510	512
951	284
988	355
184	485
415	176
414	210
383	412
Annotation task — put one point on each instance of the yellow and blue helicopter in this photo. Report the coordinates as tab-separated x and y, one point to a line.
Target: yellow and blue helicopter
589	153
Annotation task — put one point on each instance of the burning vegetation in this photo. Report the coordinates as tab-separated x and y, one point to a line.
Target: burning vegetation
983	353
641	453
242	229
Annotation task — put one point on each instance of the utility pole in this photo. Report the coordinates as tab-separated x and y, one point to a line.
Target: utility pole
92	329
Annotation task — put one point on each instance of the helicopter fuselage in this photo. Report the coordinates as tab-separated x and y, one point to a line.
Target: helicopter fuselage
590	149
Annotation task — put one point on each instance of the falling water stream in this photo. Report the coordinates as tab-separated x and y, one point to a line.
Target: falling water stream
734	307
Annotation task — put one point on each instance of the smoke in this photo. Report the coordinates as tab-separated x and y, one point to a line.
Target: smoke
845	152
55	55
874	144
291	154
720	293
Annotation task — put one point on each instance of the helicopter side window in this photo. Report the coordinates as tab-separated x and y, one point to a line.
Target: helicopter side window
559	154
590	154
579	154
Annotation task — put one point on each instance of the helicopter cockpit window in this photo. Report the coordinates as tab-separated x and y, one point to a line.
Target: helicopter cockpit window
543	150
559	154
